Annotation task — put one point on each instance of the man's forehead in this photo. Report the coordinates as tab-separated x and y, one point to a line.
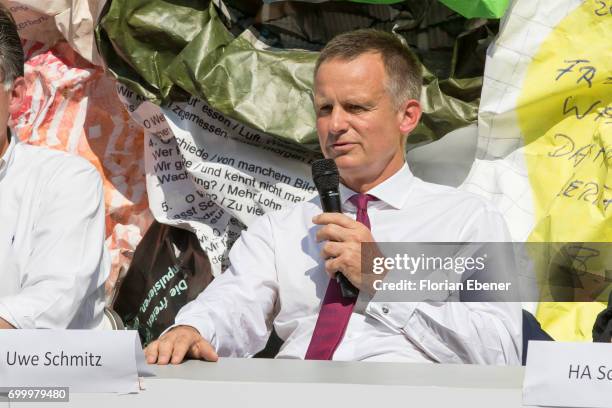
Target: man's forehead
352	95
367	60
355	78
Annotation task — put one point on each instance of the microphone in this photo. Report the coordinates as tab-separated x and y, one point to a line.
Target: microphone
326	178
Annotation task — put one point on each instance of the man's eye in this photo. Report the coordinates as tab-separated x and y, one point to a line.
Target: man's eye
324	110
355	108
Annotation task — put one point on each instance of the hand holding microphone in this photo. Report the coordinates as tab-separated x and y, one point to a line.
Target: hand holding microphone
344	236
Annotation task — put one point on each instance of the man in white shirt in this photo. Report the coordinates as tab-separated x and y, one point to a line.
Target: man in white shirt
366	93
52	258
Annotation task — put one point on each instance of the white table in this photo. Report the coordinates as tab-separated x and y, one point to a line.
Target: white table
291	383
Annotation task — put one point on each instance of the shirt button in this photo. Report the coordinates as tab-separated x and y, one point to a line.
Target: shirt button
385	309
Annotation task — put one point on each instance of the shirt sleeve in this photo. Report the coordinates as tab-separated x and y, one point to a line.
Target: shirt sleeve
235	312
66	264
456	332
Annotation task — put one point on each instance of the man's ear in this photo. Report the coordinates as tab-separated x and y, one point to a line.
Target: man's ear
18	93
410	114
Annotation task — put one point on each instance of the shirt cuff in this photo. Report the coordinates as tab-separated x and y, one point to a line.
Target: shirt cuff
427	341
394	315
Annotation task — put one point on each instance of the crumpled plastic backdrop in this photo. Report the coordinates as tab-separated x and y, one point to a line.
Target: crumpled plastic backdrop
255	63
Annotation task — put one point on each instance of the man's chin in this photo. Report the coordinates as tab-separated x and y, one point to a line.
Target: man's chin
346	163
349	169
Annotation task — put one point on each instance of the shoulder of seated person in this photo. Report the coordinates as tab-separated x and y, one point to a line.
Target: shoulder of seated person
54	161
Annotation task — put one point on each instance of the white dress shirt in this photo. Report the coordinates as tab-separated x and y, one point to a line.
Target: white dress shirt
277	277
53	262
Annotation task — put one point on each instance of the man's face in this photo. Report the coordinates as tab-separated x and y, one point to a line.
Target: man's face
358	125
10	102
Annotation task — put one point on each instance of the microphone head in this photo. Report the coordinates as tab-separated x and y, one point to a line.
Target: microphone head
325	175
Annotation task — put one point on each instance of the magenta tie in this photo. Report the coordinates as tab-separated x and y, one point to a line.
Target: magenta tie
336	310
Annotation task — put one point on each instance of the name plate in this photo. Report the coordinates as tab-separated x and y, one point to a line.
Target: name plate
568	374
82	360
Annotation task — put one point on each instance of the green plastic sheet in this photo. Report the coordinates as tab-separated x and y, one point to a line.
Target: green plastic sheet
479	8
467	8
258	69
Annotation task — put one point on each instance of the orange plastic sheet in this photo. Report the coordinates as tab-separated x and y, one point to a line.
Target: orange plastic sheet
72	105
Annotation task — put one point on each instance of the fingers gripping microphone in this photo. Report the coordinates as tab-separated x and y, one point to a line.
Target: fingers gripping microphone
326	179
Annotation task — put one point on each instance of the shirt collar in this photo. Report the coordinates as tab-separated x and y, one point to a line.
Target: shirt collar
394	191
7	157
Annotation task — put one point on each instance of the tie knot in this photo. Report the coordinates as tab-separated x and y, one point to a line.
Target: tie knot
361	201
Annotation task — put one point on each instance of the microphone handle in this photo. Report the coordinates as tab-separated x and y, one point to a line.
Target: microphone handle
347	289
330	202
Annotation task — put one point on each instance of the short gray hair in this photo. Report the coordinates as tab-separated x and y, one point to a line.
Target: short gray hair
404	72
11	52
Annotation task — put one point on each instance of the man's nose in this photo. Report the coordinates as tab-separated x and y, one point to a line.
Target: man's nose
339	121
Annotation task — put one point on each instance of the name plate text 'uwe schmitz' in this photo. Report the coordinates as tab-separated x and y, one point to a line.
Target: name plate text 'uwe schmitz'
82	360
